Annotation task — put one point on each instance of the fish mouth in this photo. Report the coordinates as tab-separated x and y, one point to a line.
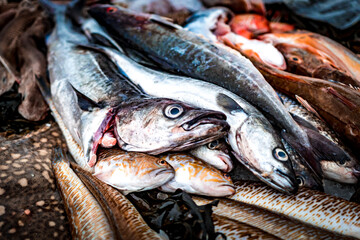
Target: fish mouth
231	187
165	170
227	161
206	118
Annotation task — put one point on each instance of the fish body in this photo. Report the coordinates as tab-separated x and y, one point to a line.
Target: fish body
249	25
317	56
182	51
196	177
215	153
97	98
309	206
131	171
85	214
253	140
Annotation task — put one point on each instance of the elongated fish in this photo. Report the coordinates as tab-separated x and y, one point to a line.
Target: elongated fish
194	176
237	230
86	217
309	206
277	225
127	221
97	98
215	153
252	138
183	51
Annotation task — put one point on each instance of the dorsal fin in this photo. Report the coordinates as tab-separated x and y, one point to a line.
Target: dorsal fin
228	103
84	102
307	106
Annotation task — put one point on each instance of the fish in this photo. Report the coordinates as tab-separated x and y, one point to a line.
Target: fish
98	98
314	55
278	225
126	221
252	138
238	5
249	25
185	52
215	153
86	217
237	230
341	165
196	177
309	206
131	171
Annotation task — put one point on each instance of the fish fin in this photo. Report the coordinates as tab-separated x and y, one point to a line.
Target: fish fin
74	10
302	122
98	38
227	103
84	102
307	106
164	22
342	98
44	87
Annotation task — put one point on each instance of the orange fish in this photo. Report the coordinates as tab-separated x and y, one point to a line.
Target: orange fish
249	25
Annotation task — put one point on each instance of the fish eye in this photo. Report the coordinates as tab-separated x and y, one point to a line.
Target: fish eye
162	162
280	154
295	59
111	9
212	145
342	161
300	181
227	176
173	111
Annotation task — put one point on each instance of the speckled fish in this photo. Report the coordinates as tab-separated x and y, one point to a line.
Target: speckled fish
275	224
215	153
314	55
126	220
194	176
235	230
132	171
339	164
252	138
86	217
183	51
309	206
97	98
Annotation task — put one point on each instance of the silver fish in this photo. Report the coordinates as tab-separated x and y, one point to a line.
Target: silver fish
252	138
97	97
215	153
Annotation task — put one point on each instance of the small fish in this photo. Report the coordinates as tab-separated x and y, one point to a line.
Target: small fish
215	153
249	25
314	55
194	176
309	206
86	217
272	223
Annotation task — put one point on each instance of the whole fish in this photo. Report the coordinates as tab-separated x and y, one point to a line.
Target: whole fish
274	224
237	230
183	51
314	55
341	165
215	153
132	171
86	217
309	206
238	5
126	220
249	25
253	140
97	98
194	176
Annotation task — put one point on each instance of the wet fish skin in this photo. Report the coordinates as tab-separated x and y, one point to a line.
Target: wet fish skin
131	171
86	216
194	176
215	153
205	61
309	206
127	221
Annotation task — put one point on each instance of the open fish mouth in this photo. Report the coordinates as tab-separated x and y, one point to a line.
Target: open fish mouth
206	118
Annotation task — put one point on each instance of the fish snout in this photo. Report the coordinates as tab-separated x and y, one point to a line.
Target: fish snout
285	182
206	117
228	165
223	190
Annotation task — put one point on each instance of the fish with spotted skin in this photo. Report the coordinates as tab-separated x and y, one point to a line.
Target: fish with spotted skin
309	206
252	138
194	176
86	217
180	50
97	98
215	153
278	225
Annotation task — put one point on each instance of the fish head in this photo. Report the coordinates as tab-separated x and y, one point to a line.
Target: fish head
157	125
215	153
259	148
254	23
344	170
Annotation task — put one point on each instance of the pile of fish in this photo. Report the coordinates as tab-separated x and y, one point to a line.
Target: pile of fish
144	103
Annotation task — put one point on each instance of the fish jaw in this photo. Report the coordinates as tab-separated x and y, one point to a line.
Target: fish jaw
261	155
338	173
149	129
